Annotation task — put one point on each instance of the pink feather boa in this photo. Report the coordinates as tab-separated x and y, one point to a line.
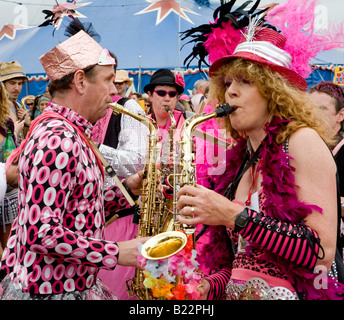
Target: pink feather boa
281	203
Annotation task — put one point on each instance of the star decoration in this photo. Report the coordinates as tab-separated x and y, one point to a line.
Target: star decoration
66	10
56	15
9	31
164	8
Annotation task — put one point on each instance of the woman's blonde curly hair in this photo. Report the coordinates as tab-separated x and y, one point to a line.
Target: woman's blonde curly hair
285	100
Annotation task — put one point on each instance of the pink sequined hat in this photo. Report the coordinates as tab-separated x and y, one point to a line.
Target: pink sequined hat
76	53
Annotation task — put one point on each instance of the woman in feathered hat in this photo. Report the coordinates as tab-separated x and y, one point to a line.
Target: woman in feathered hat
273	213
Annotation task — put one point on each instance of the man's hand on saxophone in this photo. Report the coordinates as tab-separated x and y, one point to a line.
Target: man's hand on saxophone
129	252
134	183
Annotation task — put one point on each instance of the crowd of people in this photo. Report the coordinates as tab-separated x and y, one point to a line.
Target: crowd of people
268	213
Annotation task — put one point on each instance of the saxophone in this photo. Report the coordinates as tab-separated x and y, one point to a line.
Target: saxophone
167	155
151	201
186	173
167	167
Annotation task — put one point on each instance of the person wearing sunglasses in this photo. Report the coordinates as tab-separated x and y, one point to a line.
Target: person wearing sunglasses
163	90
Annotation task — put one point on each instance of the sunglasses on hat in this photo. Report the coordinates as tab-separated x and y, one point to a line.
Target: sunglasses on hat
162	93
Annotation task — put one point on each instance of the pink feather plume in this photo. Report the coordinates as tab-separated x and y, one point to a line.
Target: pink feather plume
295	19
222	41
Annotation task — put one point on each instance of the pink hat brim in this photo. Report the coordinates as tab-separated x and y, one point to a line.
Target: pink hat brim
290	75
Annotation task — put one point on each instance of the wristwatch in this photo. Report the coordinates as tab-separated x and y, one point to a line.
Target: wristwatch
241	220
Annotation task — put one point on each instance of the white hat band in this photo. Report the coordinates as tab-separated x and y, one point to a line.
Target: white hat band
266	50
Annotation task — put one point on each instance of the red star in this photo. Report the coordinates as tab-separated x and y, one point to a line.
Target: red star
164	8
9	31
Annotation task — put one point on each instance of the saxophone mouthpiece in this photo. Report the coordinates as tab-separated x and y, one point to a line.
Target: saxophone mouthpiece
224	109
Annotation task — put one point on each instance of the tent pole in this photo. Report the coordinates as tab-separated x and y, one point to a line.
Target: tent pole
139	85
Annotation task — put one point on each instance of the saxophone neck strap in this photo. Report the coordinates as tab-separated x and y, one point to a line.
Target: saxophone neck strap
245	165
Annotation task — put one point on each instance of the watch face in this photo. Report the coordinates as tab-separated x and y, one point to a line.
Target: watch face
241	221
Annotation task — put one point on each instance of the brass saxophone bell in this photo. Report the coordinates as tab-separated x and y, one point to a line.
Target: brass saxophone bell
164	245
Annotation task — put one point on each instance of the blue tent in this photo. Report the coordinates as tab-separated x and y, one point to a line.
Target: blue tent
144	34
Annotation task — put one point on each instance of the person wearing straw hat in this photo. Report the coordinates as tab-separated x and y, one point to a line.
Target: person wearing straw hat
9	132
13	78
123	82
56	246
273	214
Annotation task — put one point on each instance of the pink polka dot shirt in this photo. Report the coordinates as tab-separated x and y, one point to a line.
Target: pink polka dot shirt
57	240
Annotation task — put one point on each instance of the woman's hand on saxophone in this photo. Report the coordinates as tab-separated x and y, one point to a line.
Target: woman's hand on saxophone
203	288
201	205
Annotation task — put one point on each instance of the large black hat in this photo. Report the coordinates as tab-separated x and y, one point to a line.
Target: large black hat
163	77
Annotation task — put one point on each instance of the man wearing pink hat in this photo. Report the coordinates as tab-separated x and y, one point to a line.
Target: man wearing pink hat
56	246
